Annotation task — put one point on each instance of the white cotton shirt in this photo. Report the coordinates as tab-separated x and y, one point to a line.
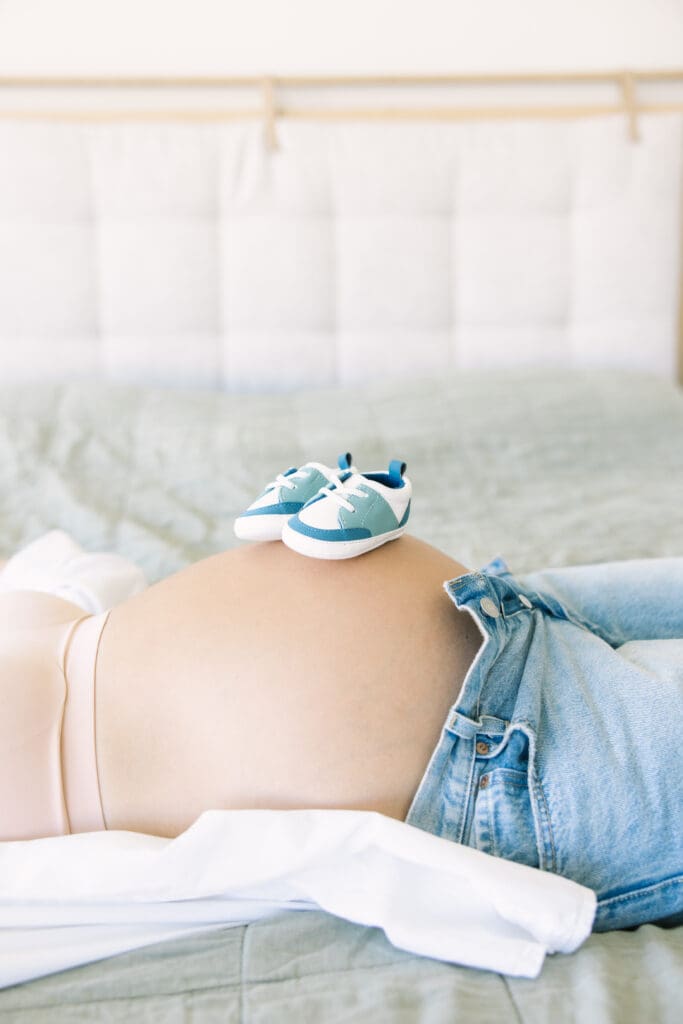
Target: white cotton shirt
73	899
57	564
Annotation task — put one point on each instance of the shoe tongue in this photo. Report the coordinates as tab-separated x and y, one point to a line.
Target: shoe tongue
374	485
329	474
339	481
353	479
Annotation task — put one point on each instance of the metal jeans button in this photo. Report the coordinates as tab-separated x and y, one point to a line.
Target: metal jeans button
489	607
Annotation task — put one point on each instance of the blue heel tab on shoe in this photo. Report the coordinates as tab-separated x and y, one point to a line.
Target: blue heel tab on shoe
393	478
344	461
396	471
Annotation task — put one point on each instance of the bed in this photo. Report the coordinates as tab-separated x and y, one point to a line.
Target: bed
185	311
546	468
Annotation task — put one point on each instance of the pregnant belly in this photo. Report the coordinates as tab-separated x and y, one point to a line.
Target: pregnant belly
259	678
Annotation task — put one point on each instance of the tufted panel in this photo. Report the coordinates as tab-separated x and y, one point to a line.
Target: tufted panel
188	254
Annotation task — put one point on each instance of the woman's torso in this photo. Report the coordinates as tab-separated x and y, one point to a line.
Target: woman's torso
260	678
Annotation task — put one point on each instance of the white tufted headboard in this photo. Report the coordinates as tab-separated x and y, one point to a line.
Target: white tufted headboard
190	254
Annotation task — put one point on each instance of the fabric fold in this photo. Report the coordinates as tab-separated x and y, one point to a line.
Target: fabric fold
431	896
56	564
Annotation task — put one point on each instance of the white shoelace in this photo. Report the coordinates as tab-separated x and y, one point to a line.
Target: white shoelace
286	481
337	489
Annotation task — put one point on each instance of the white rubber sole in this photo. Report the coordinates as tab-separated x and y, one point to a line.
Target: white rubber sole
334	549
259	527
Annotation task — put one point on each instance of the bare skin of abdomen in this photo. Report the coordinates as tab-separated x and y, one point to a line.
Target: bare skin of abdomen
259	678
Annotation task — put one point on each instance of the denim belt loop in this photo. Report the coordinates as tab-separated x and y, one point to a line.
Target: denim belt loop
462	726
491	726
469	728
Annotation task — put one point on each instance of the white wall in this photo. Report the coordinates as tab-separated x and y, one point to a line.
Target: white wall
253	36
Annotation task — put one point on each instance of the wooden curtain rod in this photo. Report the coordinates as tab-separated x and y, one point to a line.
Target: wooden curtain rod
303	81
270	111
359	114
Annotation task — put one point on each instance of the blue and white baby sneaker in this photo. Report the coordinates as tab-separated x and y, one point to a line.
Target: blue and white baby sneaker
285	496
353	514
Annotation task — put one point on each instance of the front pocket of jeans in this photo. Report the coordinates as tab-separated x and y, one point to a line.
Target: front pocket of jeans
503	820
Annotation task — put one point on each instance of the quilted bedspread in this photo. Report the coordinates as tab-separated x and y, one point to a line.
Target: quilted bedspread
548	468
542	467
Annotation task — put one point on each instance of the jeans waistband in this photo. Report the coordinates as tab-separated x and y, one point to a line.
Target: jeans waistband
495	604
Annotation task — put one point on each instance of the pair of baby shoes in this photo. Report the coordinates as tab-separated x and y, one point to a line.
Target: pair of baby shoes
330	513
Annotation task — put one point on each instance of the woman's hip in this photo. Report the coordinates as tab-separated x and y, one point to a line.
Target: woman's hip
47	658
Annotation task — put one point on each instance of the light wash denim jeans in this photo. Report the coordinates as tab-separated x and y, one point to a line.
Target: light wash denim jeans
563	750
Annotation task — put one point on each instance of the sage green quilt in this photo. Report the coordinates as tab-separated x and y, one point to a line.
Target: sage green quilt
546	468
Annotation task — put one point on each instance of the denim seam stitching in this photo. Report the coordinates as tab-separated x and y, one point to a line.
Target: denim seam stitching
570	616
539	805
468	794
493	846
546	815
438	786
627	897
510	615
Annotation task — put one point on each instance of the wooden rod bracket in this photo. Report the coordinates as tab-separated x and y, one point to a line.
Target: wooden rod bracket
269	114
627	83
